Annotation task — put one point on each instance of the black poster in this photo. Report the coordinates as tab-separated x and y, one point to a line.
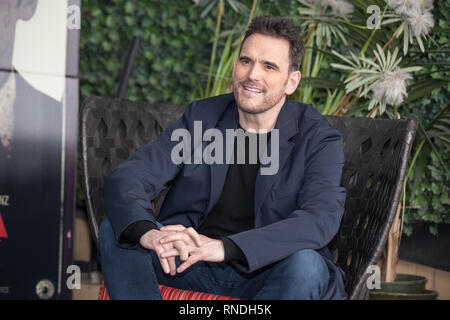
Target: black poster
38	135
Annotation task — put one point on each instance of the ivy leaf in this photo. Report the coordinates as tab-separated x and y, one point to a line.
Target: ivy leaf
129	7
435	202
435	188
444	198
110	22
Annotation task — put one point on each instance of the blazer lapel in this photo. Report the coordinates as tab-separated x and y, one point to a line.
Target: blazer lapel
287	126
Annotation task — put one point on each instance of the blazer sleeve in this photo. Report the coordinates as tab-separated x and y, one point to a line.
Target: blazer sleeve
130	188
320	206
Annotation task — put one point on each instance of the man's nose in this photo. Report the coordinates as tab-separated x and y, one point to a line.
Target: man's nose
254	73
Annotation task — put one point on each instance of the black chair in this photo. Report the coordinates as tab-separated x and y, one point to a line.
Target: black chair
376	151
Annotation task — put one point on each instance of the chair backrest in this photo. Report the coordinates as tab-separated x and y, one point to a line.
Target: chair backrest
111	130
376	152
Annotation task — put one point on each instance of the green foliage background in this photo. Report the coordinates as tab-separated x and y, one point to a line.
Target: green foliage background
174	44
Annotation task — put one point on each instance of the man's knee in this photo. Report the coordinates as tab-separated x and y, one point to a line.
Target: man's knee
308	266
108	247
112	253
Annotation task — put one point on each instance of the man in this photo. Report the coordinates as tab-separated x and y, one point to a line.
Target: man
227	228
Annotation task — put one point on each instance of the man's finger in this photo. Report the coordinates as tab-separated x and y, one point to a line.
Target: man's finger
170	253
175	237
164	264
182	250
194	235
174	227
163	261
179	250
189	262
172	266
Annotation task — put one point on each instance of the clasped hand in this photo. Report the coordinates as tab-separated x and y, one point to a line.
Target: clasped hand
176	240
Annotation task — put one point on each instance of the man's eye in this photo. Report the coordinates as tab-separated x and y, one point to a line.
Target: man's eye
269	67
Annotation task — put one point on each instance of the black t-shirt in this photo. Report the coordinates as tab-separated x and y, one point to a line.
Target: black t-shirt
234	211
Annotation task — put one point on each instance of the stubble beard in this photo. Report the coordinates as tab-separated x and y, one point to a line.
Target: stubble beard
267	103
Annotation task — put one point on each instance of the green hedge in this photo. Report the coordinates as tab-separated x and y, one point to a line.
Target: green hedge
174	54
173	51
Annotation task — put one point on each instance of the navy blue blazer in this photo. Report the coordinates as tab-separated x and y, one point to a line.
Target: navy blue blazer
300	207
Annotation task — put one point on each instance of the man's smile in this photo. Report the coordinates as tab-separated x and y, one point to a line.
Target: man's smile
252	89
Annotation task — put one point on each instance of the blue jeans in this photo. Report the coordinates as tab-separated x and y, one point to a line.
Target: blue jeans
136	273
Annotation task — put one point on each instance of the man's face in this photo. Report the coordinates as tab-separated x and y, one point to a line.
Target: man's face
261	77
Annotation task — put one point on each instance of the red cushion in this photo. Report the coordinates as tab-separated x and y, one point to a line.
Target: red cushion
169	293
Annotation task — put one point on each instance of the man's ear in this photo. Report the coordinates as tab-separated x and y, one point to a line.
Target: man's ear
25	9
293	81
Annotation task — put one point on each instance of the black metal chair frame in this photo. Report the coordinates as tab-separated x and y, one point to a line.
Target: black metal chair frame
376	151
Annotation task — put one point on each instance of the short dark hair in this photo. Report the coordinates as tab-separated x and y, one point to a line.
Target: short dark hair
279	27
